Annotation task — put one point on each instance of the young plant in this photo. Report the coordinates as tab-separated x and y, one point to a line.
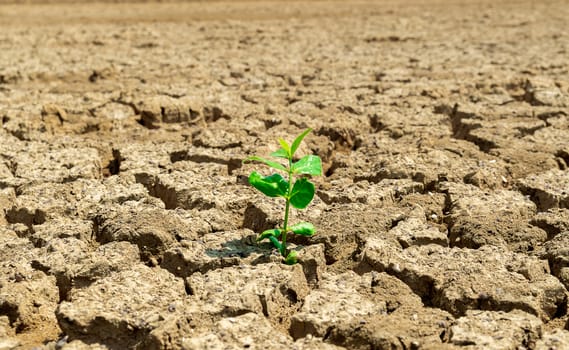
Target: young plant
298	194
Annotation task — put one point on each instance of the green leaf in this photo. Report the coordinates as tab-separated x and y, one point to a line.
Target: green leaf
298	140
291	258
273	186
303	229
280	153
310	164
276	243
302	193
286	147
270	163
274	232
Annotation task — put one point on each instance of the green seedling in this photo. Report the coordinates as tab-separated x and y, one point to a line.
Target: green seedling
298	194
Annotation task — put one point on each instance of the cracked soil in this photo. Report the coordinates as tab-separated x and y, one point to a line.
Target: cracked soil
126	220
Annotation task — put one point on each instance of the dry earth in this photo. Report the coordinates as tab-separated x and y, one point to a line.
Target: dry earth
443	215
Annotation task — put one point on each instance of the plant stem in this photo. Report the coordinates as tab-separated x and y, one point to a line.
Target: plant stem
285	229
287	208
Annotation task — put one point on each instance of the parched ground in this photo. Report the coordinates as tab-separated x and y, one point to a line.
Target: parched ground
443	214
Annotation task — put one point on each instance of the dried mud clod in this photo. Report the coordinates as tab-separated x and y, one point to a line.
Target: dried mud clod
127	221
494	280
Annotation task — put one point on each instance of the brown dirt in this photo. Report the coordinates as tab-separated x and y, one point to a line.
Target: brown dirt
127	221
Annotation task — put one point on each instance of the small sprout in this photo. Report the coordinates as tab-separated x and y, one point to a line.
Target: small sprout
298	193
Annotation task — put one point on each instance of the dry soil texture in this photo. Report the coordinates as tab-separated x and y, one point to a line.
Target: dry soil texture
443	213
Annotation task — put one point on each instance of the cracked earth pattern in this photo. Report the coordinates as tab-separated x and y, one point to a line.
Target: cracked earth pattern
443	214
